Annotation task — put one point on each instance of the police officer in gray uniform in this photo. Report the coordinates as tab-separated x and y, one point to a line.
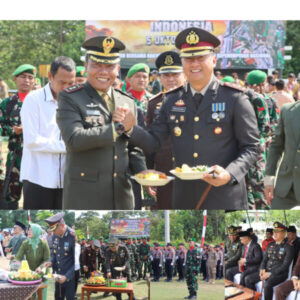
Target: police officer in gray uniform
233	250
62	257
210	123
99	159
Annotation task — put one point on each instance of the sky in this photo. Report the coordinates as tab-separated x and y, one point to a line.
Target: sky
149	9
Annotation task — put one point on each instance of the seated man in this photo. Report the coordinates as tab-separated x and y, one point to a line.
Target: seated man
288	286
250	260
269	239
233	250
279	255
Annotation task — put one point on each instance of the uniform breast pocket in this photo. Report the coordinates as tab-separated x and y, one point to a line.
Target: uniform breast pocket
93	118
217	126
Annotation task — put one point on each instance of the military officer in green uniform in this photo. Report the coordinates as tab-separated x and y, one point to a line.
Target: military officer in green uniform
10	125
233	249
117	255
143	258
192	266
214	119
99	159
17	240
89	256
277	259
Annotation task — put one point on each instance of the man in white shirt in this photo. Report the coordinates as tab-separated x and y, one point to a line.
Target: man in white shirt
43	160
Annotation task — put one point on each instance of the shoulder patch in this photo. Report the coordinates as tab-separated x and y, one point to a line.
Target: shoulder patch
233	86
74	88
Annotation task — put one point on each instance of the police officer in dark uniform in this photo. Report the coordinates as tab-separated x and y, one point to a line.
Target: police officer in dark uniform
275	265
99	158
233	250
62	257
210	123
117	255
171	73
89	259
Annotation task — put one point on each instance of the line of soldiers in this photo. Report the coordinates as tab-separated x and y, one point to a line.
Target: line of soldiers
140	259
270	263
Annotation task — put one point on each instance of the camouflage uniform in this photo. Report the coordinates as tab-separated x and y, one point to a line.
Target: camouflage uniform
192	269
256	173
144	257
132	256
143	104
10	117
273	109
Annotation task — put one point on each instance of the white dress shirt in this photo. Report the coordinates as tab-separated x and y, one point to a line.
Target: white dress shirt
76	257
44	152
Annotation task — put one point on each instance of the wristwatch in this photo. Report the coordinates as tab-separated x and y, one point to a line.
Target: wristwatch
232	181
119	127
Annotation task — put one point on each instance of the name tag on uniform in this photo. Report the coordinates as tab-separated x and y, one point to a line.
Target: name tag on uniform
93	112
178	108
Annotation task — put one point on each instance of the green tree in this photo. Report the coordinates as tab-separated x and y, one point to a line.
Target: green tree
38	42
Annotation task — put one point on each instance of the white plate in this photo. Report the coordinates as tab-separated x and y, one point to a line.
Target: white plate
149	182
194	175
118	269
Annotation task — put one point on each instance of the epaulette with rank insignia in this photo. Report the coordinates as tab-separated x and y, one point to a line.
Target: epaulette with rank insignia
124	93
233	86
159	95
74	88
174	90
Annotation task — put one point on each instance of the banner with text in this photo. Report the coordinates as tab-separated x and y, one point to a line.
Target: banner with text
130	227
244	44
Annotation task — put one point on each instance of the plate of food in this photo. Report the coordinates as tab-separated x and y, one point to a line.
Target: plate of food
118	269
152	178
232	291
22	278
190	173
96	281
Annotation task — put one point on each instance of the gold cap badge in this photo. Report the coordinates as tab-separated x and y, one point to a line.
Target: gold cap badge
108	44
192	38
169	60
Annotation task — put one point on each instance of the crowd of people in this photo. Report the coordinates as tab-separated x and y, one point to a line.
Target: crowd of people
275	261
86	131
143	260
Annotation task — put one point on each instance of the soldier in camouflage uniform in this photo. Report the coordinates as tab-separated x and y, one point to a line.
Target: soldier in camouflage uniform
132	254
256	174
192	269
233	249
10	125
138	78
144	258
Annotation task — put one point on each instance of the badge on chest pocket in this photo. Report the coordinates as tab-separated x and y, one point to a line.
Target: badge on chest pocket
94	118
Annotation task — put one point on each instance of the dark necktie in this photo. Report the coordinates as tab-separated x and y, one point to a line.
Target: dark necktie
197	99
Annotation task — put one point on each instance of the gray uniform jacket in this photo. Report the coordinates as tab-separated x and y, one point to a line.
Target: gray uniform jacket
97	166
198	138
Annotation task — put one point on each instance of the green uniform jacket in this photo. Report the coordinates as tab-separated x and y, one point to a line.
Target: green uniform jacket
233	252
97	167
41	256
286	141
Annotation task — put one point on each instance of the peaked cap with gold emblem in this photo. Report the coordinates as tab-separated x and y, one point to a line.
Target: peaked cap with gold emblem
195	41
104	49
279	227
232	230
169	62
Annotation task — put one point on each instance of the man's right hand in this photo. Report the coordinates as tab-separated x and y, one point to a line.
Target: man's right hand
269	193
7	250
85	269
108	275
295	283
129	120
